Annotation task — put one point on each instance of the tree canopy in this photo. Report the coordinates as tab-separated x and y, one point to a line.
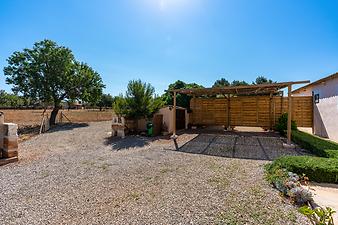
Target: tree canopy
239	83
263	80
10	100
221	83
224	82
139	101
106	100
181	99
50	73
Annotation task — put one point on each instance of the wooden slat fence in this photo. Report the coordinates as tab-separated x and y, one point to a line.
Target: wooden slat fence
257	111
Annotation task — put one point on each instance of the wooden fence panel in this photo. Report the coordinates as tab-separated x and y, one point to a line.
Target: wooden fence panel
258	111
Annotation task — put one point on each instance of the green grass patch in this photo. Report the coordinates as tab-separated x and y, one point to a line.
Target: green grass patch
317	169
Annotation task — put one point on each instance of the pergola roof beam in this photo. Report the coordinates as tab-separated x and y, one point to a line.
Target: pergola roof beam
243	90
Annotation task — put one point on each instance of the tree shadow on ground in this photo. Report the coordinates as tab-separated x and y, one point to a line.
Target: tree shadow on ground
67	126
131	141
25	132
244	145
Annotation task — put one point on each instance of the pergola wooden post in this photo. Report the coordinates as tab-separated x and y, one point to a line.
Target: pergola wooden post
174	117
289	113
270	111
228	111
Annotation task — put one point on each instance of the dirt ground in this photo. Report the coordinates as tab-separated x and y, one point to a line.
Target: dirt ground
78	174
33	117
29	121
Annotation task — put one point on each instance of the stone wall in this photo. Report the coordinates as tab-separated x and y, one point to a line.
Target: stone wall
8	141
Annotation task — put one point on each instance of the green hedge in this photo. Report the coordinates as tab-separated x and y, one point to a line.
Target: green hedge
331	153
317	146
320	169
315	168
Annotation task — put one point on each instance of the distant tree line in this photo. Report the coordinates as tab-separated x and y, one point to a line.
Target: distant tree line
15	101
225	83
8	100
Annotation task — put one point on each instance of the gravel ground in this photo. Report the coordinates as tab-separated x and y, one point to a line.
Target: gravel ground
78	175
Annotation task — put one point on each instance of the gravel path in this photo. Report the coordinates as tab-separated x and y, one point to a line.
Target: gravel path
77	175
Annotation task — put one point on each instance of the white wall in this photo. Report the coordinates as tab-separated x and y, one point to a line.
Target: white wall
326	117
168	118
326	111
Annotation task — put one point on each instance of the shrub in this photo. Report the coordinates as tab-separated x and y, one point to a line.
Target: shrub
317	146
316	168
300	195
282	124
318	216
139	101
288	183
277	176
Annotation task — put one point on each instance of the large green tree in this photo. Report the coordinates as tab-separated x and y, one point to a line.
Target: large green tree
181	99
263	80
50	73
221	83
139	101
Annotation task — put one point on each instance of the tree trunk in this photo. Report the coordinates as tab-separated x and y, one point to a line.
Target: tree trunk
52	120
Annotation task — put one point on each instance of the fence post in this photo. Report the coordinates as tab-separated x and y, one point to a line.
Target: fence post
174	117
228	109
2	121
289	113
60	117
270	112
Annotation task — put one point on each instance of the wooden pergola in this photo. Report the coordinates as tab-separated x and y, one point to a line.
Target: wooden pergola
261	89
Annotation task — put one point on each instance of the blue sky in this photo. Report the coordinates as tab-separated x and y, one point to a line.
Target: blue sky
160	41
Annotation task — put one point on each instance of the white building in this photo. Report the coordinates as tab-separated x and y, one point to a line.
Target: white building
182	118
325	108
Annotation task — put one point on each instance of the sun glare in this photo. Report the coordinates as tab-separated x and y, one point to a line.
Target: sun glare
168	5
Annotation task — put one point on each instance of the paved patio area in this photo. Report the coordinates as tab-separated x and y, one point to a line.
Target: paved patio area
246	145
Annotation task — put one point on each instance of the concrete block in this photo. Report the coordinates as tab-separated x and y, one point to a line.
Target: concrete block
285	145
9	153
10	142
120	133
9	129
